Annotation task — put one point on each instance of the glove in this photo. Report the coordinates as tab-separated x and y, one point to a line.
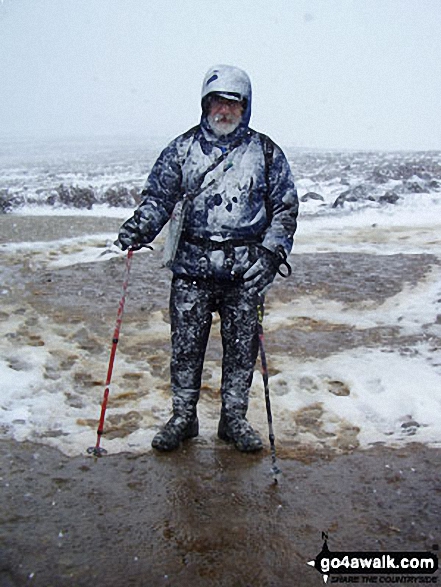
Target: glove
130	236
262	272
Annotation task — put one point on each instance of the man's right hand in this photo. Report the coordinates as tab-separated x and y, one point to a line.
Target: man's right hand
129	236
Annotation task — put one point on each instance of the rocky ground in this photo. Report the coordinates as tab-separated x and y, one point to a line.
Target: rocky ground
205	515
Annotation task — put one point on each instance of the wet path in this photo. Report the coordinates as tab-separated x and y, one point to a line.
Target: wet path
206	517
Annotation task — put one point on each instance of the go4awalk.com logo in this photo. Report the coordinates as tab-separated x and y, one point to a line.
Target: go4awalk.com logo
409	568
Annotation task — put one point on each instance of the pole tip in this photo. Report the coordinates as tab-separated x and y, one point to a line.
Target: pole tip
275	471
96	451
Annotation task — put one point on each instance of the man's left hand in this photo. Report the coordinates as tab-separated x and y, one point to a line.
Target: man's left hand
263	271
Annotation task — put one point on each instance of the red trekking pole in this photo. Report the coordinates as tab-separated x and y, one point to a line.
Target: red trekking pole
97	450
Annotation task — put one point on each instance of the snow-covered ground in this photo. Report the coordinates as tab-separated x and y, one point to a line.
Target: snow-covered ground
355	397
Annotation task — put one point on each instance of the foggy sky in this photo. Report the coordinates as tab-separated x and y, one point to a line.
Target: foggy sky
362	74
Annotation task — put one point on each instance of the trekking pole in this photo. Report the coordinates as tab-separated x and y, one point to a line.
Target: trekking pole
97	450
260	311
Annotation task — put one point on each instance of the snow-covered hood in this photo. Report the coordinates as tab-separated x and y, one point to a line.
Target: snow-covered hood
227	79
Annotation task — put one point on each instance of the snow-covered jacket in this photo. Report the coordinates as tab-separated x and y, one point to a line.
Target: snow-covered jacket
249	198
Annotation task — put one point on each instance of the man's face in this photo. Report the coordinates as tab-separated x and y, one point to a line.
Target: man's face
224	115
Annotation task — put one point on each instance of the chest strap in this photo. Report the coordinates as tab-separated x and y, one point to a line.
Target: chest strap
225	245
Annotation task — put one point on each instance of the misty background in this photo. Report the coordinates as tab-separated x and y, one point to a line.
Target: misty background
339	74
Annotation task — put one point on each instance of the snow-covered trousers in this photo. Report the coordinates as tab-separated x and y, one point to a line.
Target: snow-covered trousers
192	303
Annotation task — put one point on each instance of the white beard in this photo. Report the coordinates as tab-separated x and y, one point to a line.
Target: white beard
222	125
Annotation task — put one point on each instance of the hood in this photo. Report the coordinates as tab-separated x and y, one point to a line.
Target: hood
227	80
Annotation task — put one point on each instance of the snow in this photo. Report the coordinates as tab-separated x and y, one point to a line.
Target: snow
387	391
394	396
97	210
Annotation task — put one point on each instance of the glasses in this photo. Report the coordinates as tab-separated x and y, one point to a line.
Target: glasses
221	102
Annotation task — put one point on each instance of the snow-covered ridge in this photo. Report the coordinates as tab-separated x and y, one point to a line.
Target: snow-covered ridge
73	174
89	174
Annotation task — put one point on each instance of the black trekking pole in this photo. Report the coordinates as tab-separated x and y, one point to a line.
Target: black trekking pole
97	450
260	312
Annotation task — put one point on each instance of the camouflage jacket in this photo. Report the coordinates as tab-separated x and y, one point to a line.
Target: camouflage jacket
246	198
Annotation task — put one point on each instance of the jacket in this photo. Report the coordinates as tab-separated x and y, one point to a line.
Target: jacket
245	200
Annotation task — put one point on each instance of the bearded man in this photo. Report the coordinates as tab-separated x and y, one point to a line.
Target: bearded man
232	190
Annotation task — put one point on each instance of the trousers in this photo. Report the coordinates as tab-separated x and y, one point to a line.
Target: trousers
192	304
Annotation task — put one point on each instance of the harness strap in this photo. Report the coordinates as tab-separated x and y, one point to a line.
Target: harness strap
212	245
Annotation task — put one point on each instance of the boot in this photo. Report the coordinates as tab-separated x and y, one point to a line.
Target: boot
174	432
235	428
182	425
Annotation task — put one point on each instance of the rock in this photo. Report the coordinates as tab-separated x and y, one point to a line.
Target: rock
416	185
78	197
398	168
410	427
9	202
357	194
120	196
312	196
5	202
411	170
381	175
389	198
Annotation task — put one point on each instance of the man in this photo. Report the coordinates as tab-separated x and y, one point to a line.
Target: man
237	216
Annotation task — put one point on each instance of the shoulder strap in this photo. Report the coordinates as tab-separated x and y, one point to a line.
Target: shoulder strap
210	168
268	153
215	163
190	134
